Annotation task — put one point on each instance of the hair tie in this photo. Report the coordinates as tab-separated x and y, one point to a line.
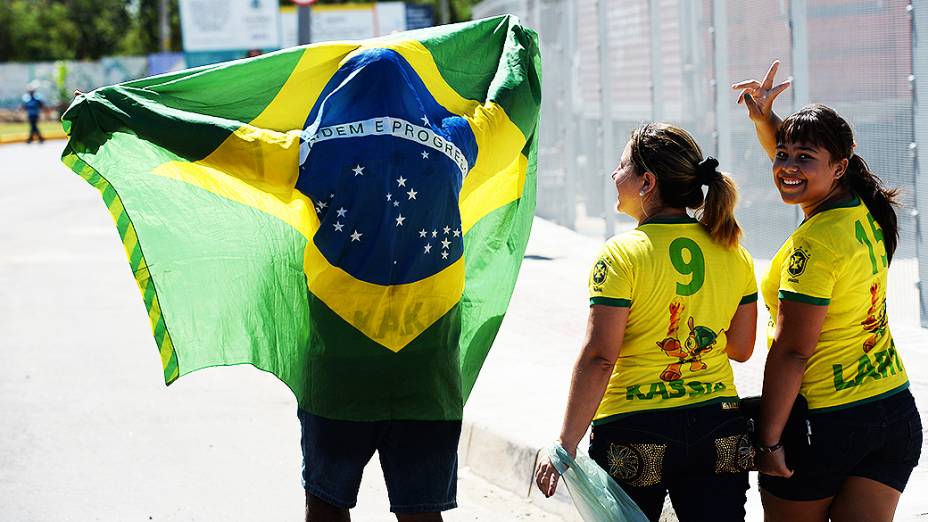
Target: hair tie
707	171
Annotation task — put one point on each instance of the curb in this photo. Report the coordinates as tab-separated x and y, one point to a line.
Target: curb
22	138
510	465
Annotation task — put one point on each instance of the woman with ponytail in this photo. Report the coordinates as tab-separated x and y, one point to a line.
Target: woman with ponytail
670	303
830	340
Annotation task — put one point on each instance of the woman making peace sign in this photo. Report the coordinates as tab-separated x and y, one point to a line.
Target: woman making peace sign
830	340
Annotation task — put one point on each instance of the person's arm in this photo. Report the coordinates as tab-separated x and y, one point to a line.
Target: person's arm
592	370
797	332
758	97
742	332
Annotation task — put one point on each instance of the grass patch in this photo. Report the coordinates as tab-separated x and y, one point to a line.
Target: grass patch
21	130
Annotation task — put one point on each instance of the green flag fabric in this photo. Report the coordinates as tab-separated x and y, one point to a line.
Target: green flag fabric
349	216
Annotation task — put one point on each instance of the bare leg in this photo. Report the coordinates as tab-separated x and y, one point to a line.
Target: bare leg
318	510
779	510
418	517
864	499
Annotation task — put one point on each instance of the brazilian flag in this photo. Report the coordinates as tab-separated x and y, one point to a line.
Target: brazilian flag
349	216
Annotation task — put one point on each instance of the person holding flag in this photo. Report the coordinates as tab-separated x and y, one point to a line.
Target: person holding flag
670	303
349	216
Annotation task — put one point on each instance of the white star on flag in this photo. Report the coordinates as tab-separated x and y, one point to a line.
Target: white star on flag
428	248
434	233
425	120
401	180
446	230
358	170
412	194
356	236
457	233
389	197
331	196
396	203
399	220
422	233
323	204
445	243
338	226
444	254
425	154
341	211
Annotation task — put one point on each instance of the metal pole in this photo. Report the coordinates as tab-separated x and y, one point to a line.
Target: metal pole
573	114
303	19
165	26
657	73
918	11
799	46
722	88
609	155
444	12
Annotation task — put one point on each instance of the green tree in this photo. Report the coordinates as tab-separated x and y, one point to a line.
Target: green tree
145	34
101	25
36	30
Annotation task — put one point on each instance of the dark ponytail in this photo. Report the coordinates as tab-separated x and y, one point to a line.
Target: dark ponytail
820	126
880	201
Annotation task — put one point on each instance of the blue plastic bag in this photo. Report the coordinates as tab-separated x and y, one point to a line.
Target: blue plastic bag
597	497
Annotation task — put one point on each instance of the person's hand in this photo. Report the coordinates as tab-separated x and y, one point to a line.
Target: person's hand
758	96
546	476
773	464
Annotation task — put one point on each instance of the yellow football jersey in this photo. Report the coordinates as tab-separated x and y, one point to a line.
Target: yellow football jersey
682	290
837	259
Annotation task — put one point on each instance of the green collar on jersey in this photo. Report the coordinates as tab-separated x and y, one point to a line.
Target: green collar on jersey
670	220
843	203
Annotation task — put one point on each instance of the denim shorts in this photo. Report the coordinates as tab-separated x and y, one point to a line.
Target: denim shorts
419	461
879	440
699	455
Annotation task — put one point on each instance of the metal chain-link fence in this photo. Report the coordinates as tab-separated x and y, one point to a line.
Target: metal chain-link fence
674	60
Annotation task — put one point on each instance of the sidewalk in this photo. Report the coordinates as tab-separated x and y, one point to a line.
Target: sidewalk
519	399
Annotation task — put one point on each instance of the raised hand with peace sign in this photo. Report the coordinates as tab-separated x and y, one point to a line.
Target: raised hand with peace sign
758	97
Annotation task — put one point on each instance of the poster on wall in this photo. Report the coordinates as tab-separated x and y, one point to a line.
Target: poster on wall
222	25
356	21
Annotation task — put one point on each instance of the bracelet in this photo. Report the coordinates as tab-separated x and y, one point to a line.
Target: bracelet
769	449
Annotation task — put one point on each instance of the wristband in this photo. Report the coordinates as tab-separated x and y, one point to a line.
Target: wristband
769	449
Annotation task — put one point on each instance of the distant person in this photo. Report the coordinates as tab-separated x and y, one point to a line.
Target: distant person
829	339
33	105
253	52
670	303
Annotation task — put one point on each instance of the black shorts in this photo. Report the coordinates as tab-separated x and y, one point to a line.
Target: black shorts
880	440
419	461
700	456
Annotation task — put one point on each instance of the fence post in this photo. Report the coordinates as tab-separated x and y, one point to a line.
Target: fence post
573	114
722	81
799	52
657	72
918	11
605	109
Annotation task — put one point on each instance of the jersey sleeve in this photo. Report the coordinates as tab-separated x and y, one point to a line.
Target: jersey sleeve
809	274
749	293
611	279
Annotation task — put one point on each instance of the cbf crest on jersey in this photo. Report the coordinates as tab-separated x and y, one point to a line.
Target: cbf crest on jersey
598	277
798	261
